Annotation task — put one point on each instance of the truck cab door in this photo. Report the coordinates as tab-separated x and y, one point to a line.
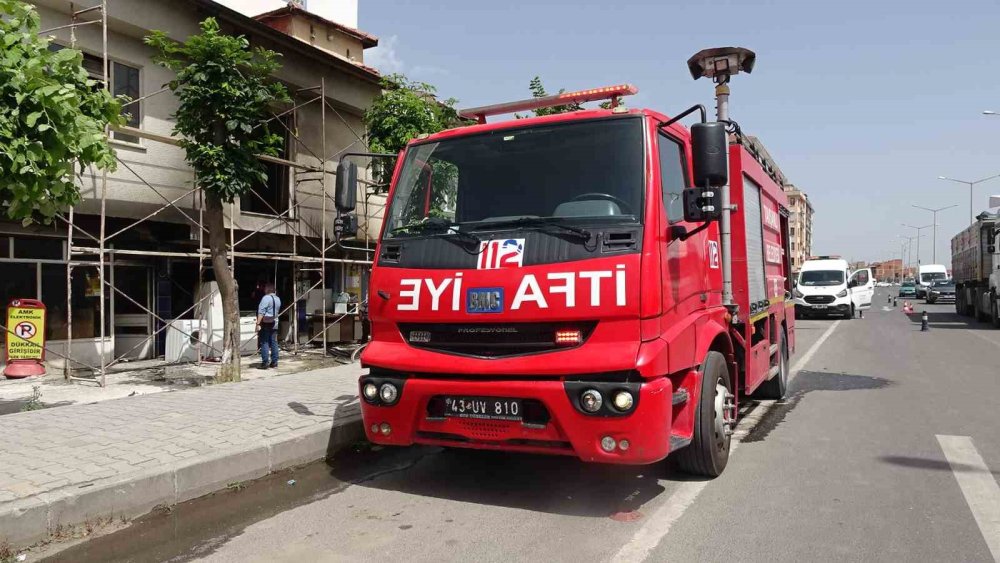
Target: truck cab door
862	288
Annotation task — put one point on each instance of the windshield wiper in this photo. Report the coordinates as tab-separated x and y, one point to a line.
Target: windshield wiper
540	223
437	224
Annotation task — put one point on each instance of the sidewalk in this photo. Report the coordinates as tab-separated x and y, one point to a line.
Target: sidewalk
117	459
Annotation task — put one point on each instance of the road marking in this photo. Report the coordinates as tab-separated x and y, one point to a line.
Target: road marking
658	525
801	363
977	484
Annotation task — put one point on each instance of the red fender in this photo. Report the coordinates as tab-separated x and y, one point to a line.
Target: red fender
684	345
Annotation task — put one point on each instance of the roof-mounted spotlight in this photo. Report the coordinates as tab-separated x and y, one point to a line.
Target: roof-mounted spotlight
721	62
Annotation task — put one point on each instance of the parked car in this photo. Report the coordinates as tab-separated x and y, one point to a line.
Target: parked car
941	290
908	289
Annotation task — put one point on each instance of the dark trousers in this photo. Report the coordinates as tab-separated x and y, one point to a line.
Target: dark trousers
268	344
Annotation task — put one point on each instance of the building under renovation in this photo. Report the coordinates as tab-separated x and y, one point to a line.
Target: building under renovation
142	223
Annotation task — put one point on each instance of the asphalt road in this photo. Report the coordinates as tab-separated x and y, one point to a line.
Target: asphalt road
885	450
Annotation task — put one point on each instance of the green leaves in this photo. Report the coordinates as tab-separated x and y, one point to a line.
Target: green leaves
225	91
402	111
50	118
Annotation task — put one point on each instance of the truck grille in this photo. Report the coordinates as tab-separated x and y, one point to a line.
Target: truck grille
819	299
490	340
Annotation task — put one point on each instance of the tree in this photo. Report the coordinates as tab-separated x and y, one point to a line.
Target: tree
225	92
52	117
538	91
402	111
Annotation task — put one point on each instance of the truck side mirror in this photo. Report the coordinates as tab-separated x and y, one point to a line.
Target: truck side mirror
346	197
710	159
710	153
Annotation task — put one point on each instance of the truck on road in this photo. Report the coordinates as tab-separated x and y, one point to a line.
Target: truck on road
976	268
580	283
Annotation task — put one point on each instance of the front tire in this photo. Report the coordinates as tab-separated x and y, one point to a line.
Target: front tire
714	420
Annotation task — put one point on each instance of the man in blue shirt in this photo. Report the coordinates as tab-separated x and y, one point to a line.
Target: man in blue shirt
267	325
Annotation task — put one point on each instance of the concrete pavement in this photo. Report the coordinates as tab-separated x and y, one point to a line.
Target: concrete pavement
89	464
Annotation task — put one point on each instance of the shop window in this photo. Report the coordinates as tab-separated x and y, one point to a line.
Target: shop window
39	248
86	302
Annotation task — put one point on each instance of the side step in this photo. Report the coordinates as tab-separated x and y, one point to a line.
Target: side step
676	442
774	349
680	397
775	370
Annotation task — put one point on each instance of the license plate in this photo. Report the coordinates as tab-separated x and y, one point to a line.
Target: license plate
491	408
484	300
819	306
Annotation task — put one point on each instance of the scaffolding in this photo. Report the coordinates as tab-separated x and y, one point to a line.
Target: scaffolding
305	254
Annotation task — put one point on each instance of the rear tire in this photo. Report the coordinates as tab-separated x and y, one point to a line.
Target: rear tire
776	387
708	452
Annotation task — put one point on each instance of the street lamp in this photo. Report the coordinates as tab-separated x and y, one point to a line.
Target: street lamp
972	215
935	212
909	250
918	238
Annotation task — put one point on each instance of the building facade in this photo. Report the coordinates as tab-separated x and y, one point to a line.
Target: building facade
153	245
799	225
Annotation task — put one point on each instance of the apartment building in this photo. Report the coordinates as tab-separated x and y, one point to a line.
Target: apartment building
799	225
154	253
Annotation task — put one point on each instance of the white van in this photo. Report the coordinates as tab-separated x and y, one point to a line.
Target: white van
927	274
826	286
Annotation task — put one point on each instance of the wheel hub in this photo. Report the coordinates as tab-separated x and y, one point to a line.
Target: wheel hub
725	413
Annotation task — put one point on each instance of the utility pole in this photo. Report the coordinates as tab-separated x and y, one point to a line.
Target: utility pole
935	212
918	238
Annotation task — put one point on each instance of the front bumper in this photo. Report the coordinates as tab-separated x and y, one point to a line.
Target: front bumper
840	306
566	432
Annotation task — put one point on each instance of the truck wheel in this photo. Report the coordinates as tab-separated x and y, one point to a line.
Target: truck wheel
849	314
776	387
714	420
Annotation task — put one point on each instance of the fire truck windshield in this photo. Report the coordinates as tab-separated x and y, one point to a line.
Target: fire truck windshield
581	172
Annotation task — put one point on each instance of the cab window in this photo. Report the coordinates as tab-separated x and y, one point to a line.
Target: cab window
672	177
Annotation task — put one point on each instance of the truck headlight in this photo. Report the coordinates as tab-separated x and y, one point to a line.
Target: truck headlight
623	400
388	393
843	293
591	400
370	391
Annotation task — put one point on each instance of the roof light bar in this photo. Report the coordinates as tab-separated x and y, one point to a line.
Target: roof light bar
613	93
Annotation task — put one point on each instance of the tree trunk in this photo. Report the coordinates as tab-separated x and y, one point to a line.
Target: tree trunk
229	370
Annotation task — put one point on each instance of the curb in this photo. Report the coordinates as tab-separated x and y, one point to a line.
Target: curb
28	521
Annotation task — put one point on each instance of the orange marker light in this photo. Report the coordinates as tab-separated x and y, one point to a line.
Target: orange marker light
569	337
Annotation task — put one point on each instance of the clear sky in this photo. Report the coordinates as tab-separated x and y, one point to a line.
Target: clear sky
862	103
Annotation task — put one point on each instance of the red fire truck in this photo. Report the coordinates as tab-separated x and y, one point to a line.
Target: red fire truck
603	283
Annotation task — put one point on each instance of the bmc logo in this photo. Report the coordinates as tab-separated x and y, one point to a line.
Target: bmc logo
494	254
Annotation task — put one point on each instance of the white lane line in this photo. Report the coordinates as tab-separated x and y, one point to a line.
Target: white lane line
801	363
977	484
658	525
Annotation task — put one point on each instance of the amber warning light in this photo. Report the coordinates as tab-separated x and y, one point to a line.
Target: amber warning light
569	337
613	93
